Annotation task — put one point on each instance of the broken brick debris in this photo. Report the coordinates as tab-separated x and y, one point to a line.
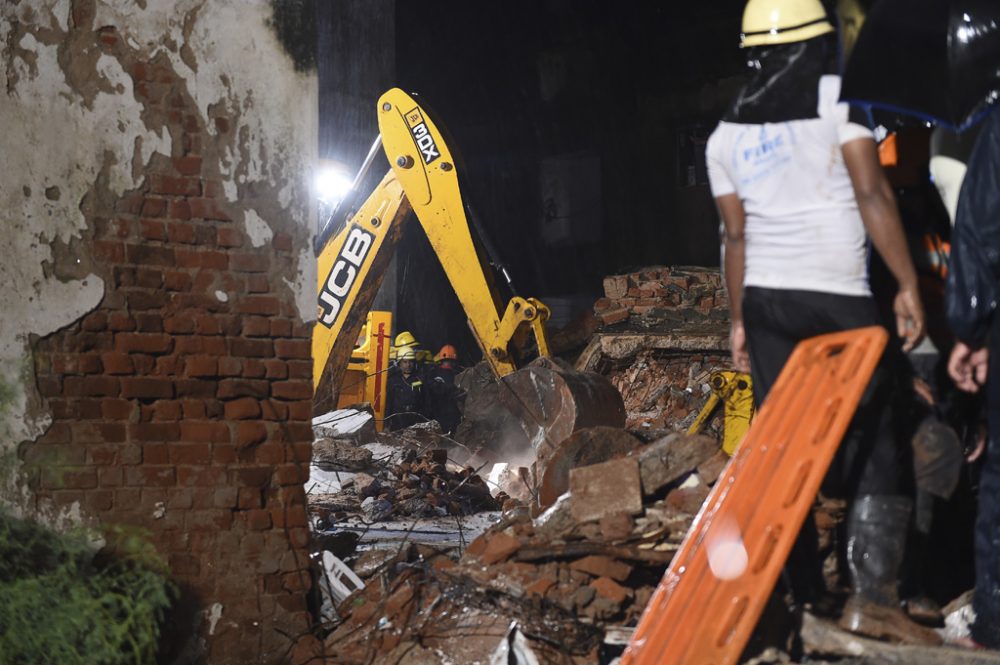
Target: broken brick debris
661	295
584	447
668	459
604	489
590	562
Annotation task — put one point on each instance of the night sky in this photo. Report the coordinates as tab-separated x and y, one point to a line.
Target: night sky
579	126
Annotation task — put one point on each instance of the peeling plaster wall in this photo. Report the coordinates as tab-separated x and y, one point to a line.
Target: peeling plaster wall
155	151
57	139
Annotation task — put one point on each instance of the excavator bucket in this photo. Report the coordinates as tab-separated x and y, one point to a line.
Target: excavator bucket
552	400
712	594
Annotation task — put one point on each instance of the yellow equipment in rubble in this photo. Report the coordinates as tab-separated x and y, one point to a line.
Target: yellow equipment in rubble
367	370
423	176
735	391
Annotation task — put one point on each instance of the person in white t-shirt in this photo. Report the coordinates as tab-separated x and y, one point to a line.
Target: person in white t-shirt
800	191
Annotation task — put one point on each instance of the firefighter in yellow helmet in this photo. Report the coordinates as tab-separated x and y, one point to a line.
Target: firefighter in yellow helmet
406	340
406	399
797	182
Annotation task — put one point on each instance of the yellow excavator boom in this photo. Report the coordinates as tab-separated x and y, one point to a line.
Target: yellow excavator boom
424	178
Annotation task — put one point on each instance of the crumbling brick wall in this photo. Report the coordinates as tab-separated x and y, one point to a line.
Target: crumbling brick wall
181	403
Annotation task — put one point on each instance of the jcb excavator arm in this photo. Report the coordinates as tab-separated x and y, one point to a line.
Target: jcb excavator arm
350	267
424	165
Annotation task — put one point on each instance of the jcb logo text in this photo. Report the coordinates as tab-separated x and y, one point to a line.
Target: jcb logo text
343	274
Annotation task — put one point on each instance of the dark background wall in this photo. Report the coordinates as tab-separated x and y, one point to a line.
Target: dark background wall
580	125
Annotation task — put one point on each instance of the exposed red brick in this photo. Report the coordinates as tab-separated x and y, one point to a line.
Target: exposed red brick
146	300
228	236
241	262
204	234
179	209
265	305
209	431
196	388
146	388
109	251
200	476
180	232
153	207
210	209
258	520
191	453
154	255
230	366
232	388
256	326
166	411
252	348
147	278
95	322
177	281
201	366
292	348
281	328
116	409
258	284
91	386
148	322
292	390
290	474
302	330
223	453
275	369
254	368
188	165
144	343
611	317
301	410
243	409
250	434
160	431
120	322
272	410
282	242
300	369
163	184
270	453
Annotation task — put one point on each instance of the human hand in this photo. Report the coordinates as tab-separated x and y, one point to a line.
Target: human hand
909	317
923	391
968	367
738	346
979	447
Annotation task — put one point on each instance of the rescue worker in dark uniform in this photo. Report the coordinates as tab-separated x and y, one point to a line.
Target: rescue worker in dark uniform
443	394
405	399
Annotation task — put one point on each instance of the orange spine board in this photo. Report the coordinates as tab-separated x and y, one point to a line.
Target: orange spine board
698	615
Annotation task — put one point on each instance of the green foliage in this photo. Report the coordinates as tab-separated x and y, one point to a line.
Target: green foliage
60	602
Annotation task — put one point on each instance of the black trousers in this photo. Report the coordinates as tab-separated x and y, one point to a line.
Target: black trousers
986	600
869	461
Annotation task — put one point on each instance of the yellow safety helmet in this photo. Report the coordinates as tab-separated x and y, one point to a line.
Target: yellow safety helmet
406	353
767	22
405	338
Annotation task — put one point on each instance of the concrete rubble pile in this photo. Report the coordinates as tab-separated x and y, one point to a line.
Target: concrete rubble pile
658	297
381	476
664	331
586	564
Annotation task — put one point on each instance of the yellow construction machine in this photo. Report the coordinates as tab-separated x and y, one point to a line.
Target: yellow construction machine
423	177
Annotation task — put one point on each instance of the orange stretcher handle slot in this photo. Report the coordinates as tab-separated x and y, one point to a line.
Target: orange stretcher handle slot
712	594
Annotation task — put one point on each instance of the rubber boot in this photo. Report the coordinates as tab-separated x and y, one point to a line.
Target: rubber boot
876	538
